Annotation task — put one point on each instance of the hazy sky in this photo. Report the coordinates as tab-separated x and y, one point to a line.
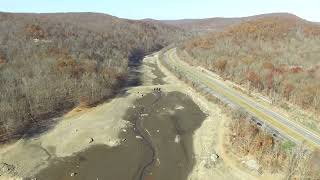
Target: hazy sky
169	9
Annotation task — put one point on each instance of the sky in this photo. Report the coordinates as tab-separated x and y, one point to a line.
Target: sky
169	9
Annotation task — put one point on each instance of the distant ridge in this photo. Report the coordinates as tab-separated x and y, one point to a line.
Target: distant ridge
218	23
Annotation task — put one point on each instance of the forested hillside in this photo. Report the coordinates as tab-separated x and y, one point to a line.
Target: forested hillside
216	24
49	62
279	56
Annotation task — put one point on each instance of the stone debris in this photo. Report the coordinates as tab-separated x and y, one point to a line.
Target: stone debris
138	137
177	139
158	130
252	164
124	130
91	140
7	169
142	115
214	157
179	107
211	161
73	174
114	142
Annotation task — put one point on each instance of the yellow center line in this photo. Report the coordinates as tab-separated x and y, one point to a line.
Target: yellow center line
259	114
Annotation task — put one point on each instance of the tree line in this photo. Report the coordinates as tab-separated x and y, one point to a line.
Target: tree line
52	62
276	56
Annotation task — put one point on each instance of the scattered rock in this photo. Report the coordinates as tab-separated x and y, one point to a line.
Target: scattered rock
214	157
133	107
211	161
7	169
179	107
177	139
124	130
91	140
138	137
142	115
113	143
158	130
73	174
252	164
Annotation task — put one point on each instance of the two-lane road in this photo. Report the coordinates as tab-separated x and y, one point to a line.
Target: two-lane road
277	121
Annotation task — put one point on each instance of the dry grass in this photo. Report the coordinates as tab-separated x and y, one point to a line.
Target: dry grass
274	156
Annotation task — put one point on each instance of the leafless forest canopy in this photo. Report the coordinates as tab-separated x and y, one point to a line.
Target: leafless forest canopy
279	56
274	156
51	62
276	55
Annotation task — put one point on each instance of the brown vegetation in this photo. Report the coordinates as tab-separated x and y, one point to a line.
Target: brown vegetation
246	139
279	56
35	31
218	23
50	62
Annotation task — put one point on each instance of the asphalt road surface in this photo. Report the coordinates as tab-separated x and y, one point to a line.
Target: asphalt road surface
277	121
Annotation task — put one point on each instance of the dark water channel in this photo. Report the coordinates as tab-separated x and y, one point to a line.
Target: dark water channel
158	146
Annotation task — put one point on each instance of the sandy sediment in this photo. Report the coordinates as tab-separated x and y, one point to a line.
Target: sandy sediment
148	76
103	124
164	122
73	133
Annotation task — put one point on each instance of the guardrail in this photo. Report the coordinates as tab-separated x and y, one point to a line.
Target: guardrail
212	95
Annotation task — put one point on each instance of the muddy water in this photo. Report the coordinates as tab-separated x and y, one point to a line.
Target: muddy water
102	162
165	122
170	123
